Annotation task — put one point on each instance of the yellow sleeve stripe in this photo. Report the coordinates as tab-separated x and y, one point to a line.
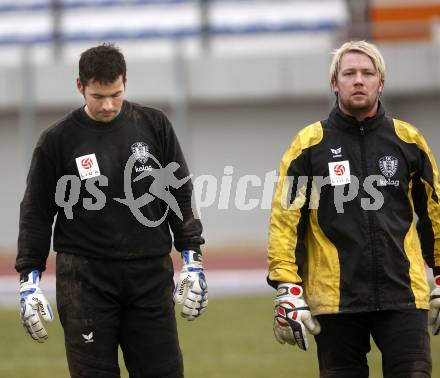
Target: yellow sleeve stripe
434	216
409	134
417	274
285	218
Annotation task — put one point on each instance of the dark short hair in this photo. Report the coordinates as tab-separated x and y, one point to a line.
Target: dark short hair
103	63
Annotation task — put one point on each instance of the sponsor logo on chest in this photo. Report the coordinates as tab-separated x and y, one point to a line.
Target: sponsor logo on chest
336	152
339	172
87	166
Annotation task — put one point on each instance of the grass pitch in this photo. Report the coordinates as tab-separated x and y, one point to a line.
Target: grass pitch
233	339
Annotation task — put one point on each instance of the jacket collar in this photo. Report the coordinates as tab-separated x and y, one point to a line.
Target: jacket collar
343	121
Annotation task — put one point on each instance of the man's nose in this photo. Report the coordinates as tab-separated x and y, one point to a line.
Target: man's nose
107	104
359	78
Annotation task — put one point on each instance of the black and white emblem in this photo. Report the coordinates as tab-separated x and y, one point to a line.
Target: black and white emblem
388	165
336	152
140	151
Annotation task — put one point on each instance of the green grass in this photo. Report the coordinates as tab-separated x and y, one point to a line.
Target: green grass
232	339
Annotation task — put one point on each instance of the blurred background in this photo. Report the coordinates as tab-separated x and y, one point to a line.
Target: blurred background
238	79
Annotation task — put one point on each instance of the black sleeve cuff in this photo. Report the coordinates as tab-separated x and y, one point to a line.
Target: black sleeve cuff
24	274
274	284
195	248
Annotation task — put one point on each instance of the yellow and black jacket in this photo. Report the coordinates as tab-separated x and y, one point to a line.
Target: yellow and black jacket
364	252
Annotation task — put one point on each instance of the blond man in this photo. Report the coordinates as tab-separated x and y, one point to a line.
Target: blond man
346	253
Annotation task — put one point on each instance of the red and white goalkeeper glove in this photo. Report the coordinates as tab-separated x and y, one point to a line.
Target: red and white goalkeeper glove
434	304
292	316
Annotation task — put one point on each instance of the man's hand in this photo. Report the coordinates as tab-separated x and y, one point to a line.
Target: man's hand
292	316
434	304
33	304
191	288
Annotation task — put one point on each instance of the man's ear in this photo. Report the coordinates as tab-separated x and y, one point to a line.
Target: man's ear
80	86
382	83
334	87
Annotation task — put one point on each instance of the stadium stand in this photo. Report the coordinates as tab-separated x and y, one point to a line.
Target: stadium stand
404	20
252	24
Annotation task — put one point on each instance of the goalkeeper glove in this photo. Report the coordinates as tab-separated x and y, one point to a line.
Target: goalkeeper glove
292	316
33	303
191	289
434	304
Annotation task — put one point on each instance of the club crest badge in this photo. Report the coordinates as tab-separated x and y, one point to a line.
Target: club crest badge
140	152
388	165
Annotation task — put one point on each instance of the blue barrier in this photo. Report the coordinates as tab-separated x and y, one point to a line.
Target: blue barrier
46	5
175	33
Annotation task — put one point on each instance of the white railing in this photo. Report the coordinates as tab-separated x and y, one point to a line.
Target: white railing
32	22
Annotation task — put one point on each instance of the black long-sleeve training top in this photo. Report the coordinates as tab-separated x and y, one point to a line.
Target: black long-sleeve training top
77	173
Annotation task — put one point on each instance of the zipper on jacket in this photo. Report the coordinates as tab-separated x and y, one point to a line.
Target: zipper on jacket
371	227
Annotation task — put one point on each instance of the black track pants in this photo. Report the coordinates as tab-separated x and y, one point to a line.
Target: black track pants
103	304
401	336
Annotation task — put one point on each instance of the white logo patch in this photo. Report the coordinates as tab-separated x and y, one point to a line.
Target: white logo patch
88	338
336	152
87	166
339	172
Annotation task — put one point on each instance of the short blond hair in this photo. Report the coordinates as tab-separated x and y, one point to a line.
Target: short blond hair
362	47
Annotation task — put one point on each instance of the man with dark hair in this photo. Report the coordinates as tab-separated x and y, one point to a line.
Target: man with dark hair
103	64
112	233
